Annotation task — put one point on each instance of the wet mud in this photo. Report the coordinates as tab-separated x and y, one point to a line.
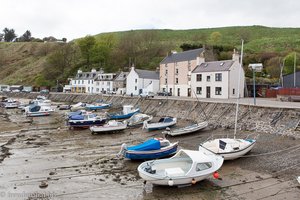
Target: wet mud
40	158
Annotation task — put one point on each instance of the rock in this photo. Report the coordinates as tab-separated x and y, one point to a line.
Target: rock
52	173
43	184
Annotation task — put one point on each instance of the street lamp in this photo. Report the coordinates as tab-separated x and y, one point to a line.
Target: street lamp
256	67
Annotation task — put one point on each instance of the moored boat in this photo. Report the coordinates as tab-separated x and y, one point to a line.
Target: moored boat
127	112
98	106
138	119
185	167
85	120
38	111
111	126
163	123
151	149
188	129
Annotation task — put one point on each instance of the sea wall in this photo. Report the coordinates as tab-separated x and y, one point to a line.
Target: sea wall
282	121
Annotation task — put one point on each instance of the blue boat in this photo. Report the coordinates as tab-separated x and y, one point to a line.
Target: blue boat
127	112
98	106
151	149
85	120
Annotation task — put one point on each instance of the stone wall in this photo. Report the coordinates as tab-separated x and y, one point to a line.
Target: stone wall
282	121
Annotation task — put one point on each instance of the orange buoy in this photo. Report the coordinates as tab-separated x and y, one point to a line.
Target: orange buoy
216	175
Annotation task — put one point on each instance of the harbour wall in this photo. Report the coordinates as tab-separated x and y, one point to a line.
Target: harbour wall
281	121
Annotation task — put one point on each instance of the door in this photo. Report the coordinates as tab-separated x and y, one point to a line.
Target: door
207	92
189	92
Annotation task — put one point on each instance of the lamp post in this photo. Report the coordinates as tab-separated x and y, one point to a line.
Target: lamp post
256	67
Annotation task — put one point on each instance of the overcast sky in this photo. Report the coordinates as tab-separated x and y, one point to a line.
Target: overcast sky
78	18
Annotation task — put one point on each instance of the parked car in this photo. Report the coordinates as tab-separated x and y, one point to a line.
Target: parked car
164	94
147	94
44	91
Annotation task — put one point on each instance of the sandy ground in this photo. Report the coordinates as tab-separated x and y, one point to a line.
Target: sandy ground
78	165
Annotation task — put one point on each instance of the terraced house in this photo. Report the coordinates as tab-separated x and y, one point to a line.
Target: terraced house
218	79
176	70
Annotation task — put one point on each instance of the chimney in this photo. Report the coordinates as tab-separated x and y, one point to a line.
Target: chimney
201	58
235	56
79	71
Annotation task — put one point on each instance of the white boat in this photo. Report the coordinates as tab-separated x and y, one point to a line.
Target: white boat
111	126
163	123
188	129
38	111
138	119
231	148
185	167
78	106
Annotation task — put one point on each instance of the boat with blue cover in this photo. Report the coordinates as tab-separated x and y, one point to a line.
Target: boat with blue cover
85	120
150	149
127	112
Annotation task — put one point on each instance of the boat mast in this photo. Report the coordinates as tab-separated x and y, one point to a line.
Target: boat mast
238	90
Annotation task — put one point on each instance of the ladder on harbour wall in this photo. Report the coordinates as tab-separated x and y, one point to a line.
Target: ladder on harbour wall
297	128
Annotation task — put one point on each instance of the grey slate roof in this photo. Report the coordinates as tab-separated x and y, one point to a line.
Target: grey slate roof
86	76
147	74
214	66
122	76
182	56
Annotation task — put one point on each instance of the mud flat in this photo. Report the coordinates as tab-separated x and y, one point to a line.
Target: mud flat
41	159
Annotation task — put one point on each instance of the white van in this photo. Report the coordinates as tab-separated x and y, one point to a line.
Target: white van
147	94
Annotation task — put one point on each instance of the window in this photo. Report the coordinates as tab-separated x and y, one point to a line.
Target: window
166	65
233	91
88	81
166	81
203	166
176	80
166	72
199	77
199	90
189	65
177	71
218	77
135	88
135	80
218	91
208	78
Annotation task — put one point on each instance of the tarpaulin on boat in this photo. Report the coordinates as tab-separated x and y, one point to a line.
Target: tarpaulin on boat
151	144
79	112
34	108
77	117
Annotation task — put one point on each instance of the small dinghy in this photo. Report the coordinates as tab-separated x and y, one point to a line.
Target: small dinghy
77	106
38	111
128	111
185	167
111	126
97	106
229	148
151	149
163	123
188	129
138	119
85	120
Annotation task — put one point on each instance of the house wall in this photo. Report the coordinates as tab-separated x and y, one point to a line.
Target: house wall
212	84
132	83
177	80
233	80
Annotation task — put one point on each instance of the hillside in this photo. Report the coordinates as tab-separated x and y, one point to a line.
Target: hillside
43	63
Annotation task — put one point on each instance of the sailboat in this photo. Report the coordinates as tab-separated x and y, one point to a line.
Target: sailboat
231	148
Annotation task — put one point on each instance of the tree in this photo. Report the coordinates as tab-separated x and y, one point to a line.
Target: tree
215	37
27	36
86	46
9	35
288	65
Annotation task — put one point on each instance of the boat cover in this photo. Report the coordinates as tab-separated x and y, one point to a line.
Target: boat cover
79	112
34	108
76	117
151	144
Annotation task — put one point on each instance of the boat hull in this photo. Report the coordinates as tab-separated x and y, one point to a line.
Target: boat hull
37	114
103	129
186	130
147	155
237	154
126	116
86	124
159	126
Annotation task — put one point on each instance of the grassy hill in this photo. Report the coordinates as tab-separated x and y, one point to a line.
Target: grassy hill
27	63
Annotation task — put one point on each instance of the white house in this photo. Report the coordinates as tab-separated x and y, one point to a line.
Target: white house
104	83
218	79
92	82
139	81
